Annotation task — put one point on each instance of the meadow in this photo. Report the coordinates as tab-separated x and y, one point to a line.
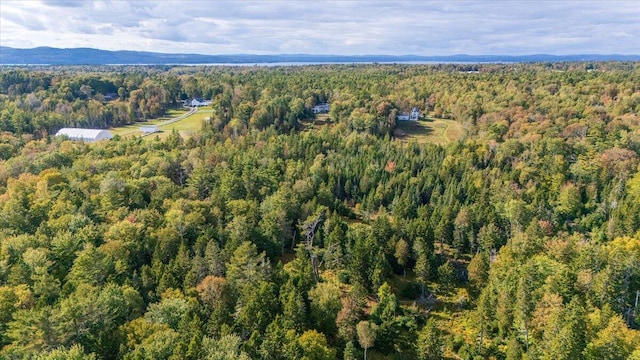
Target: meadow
432	131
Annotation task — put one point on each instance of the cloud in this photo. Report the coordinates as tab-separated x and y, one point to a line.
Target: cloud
322	27
105	30
64	4
21	20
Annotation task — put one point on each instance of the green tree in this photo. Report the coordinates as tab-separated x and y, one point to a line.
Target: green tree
293	305
168	311
514	349
314	346
325	305
228	347
566	337
422	267
148	340
447	276
478	269
247	267
75	352
615	341
90	316
485	313
255	307
430	343
401	254
33	331
279	341
91	267
45	286
350	351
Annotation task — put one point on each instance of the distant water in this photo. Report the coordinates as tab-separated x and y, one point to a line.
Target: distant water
276	64
300	63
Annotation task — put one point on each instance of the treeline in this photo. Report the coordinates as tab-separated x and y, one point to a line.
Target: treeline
566	99
253	240
40	103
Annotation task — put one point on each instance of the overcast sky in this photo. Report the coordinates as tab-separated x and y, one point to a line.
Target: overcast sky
327	27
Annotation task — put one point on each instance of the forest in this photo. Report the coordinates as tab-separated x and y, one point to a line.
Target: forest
268	235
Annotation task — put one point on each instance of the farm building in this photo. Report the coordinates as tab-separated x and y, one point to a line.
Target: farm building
88	135
149	129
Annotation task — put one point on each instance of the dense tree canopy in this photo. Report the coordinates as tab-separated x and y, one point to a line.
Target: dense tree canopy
266	235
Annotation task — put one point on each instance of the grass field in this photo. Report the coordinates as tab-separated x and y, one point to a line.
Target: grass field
188	125
185	126
435	131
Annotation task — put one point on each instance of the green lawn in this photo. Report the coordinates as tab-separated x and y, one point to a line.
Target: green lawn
185	126
435	131
188	125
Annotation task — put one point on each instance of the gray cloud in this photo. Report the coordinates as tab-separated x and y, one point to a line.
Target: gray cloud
336	27
62	3
105	30
22	20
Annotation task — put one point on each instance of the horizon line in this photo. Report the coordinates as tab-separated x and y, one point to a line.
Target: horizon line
327	55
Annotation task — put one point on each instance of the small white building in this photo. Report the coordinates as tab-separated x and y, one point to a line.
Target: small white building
321	108
414	115
87	135
200	102
149	129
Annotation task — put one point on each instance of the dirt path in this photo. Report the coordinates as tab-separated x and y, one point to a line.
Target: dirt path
178	118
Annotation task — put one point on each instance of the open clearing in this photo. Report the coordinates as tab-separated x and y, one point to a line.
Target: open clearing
168	123
434	131
188	125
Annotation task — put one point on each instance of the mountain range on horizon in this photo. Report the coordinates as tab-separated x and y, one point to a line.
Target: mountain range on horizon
90	56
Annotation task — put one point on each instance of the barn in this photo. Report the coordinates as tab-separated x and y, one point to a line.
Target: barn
87	135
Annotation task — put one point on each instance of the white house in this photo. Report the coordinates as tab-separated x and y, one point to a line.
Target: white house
414	115
149	129
321	108
200	102
88	135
